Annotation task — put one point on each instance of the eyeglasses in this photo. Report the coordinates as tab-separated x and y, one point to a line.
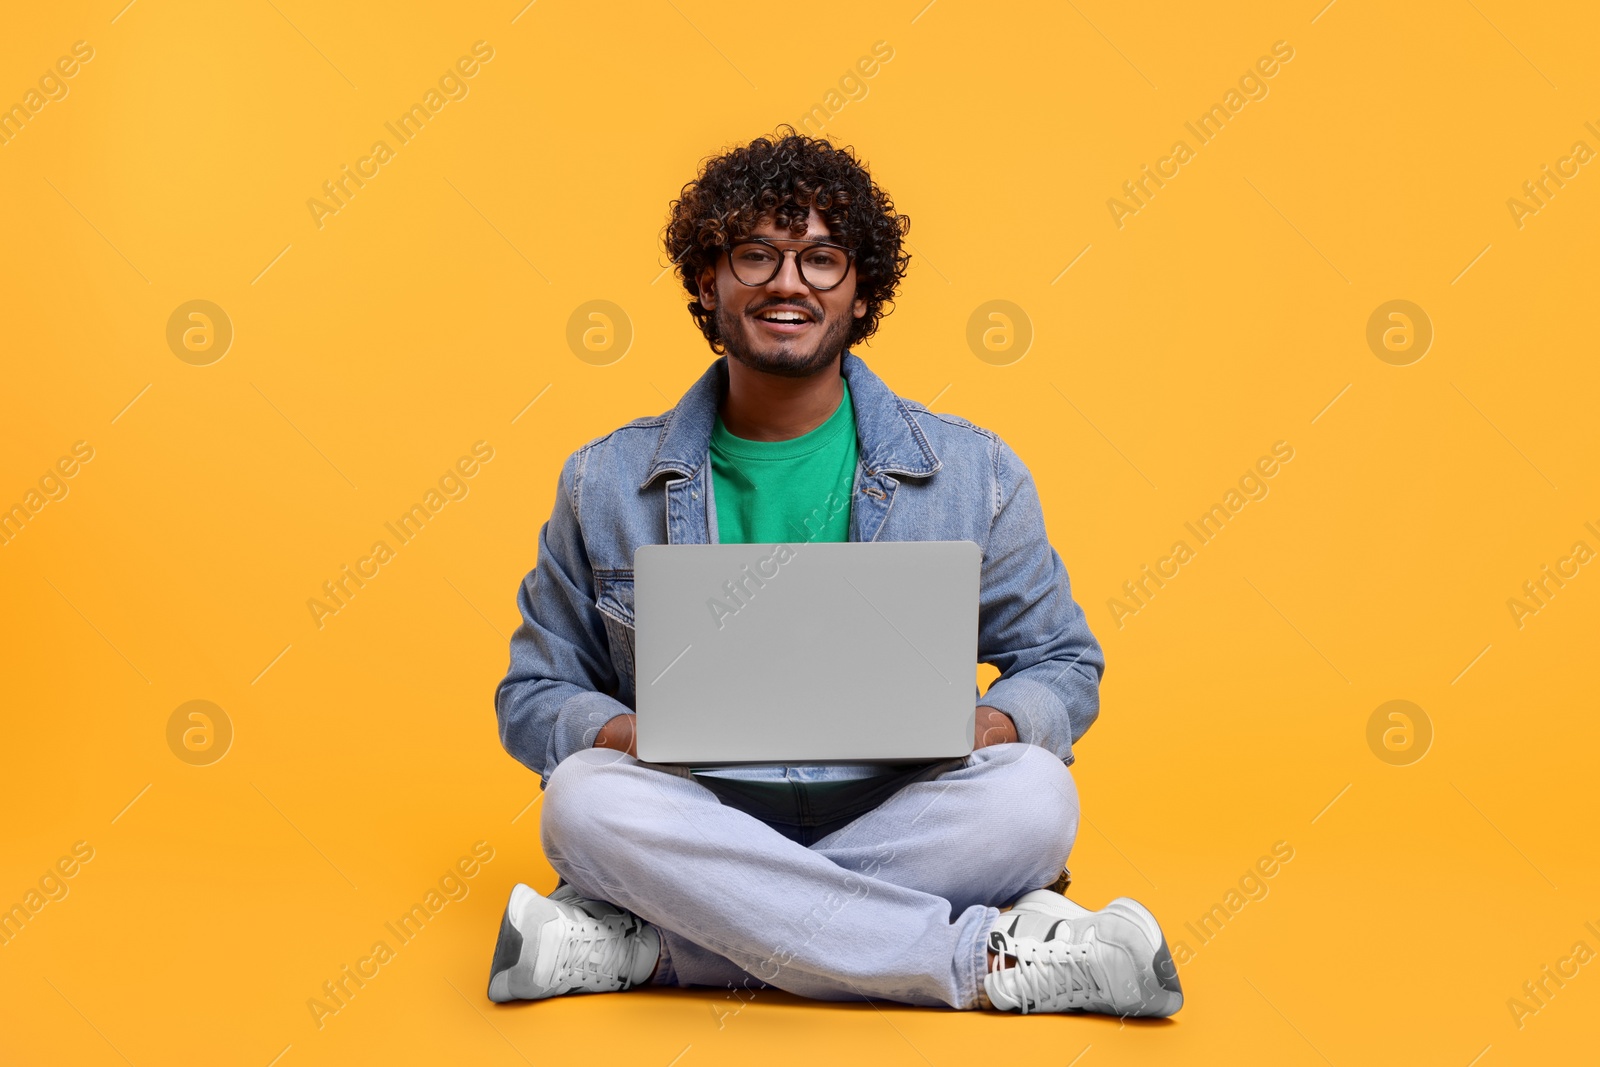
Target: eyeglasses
822	264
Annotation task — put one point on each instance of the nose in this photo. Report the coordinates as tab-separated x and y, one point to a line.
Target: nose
787	282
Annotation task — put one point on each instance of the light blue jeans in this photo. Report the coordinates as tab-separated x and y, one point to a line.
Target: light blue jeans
893	903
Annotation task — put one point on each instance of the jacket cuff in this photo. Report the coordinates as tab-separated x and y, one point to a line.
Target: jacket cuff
1040	717
578	723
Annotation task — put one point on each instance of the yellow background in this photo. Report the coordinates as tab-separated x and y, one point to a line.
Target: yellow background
427	314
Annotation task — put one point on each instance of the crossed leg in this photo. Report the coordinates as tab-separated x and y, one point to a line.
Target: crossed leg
895	905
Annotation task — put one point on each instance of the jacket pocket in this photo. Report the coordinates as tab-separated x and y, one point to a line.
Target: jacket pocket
614	598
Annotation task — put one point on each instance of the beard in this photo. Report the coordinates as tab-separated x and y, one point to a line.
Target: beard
782	356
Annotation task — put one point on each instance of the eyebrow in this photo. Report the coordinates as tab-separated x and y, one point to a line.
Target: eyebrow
828	239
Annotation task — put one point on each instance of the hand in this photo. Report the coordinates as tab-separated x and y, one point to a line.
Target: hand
991	727
617	734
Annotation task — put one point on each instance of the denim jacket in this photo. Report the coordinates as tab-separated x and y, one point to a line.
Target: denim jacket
920	477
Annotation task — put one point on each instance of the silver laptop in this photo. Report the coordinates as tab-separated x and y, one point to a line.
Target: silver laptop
805	652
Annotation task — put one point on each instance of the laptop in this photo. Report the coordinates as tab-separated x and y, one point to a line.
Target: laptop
805	652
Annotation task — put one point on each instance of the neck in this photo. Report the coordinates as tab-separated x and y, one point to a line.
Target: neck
769	407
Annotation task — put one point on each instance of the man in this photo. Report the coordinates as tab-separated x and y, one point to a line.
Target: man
829	881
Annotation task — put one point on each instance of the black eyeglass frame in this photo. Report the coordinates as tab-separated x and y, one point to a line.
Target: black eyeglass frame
849	261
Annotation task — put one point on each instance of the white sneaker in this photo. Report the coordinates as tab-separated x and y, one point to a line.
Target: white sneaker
1066	958
566	944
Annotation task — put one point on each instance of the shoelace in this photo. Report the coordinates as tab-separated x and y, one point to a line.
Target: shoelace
595	952
1048	974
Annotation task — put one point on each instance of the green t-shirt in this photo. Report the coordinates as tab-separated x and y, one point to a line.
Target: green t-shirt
786	492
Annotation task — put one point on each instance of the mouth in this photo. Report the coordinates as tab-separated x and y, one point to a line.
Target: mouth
784	320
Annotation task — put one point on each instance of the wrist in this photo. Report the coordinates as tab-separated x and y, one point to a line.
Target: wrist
617	733
994	727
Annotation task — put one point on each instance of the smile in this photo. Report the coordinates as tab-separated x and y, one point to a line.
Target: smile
783	320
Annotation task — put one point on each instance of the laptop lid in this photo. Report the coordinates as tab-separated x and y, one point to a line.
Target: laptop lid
805	652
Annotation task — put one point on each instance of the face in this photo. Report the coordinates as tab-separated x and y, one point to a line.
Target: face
790	350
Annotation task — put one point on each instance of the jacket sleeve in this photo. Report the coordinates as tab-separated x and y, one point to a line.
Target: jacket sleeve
555	696
1028	624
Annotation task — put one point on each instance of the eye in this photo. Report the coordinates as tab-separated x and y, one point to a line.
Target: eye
825	257
753	254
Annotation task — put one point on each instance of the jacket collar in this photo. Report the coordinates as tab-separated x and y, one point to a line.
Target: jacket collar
890	439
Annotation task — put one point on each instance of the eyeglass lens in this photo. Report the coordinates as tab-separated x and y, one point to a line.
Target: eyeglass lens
821	266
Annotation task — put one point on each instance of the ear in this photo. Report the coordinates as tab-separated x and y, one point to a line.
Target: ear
859	308
708	288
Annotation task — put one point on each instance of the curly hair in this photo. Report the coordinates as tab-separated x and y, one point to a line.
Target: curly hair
780	181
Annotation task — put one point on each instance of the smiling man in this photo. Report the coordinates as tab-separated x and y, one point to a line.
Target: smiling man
918	884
